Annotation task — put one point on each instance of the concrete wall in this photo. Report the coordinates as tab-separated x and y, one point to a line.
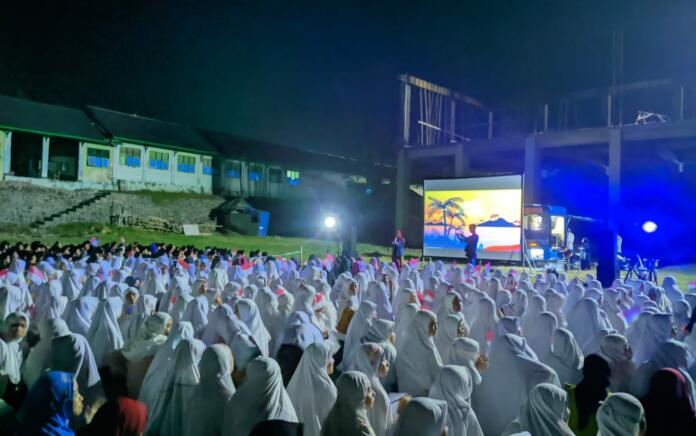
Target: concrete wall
94	174
125	172
24	203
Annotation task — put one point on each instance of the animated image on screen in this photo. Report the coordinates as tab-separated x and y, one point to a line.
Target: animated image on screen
493	204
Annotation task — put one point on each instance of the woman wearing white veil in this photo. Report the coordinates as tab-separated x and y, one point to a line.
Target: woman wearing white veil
170	418
544	414
348	416
465	353
215	389
39	358
537	305
565	358
584	321
621	414
379	294
358	328
418	361
248	313
311	390
672	291
484	327
422	417
451	328
370	361
512	374
647	333
616	351
144	308
104	334
72	353
139	351
262	397
454	386
540	339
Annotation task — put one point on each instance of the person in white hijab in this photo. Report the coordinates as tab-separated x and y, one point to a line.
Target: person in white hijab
575	294
267	303
14	328
262	397
611	305
404	320
671	354
104	334
170	418
143	309
422	417
181	294
161	365
621	414
39	358
248	313
311	390
417	361
681	317
565	358
214	390
537	305
545	413
465	352
647	333
513	372
584	321
616	351
484	327
519	303
540	338
452	327
72	353
554	304
672	291
348	416
378	293
369	359
196	313
454	386
79	313
357	329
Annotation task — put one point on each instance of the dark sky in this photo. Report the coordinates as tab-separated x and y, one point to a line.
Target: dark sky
322	74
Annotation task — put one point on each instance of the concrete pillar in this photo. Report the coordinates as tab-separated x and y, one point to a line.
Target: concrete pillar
607	267
531	169
44	157
461	161
7	154
403	169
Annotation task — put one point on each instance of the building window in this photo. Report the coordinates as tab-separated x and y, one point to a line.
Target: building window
186	164
275	175
255	172
98	157
234	170
293	177
129	157
207	164
159	160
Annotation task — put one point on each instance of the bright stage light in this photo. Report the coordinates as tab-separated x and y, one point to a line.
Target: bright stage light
649	227
329	222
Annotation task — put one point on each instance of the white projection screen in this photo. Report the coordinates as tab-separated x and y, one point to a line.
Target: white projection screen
493	204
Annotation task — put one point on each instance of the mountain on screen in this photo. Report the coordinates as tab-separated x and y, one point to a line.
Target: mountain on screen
499	222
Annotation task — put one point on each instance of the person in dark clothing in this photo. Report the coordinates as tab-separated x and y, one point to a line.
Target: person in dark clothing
668	406
471	244
398	248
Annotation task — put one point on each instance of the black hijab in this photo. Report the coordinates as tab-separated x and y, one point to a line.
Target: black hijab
592	389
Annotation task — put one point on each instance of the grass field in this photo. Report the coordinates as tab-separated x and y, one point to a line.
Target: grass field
75	233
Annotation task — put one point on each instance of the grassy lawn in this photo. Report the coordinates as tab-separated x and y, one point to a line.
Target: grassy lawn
75	233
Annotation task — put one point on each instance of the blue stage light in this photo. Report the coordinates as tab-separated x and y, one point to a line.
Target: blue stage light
649	227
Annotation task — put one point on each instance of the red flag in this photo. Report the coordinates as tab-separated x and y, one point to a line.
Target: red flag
247	266
489	335
182	263
36	275
413	262
279	292
3	273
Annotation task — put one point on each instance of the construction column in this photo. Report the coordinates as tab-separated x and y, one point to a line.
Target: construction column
403	169
531	169
44	157
607	250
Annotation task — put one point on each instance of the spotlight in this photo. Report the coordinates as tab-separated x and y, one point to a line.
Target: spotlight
649	227
329	222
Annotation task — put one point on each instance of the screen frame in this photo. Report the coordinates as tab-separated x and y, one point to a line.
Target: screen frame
515	257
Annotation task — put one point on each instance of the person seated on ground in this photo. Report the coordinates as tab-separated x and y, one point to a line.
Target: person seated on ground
585	398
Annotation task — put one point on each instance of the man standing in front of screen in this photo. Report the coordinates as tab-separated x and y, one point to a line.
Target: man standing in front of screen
471	244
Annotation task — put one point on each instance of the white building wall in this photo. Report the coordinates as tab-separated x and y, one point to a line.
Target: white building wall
184	179
159	176
124	172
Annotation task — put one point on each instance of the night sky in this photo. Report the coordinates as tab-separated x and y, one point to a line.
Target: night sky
322	74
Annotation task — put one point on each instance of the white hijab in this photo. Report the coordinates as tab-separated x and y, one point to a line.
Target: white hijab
196	313
249	315
149	338
358	328
10	352
422	417
143	309
454	386
348	417
72	353
584	321
647	333
616	351
162	363
447	332
544	414
513	372
417	361
39	358
262	397
464	353
214	390
79	313
620	414
311	390
367	360
541	337
104	334
566	357
485	324
177	390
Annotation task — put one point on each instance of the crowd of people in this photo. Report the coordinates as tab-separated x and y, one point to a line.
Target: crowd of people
129	339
